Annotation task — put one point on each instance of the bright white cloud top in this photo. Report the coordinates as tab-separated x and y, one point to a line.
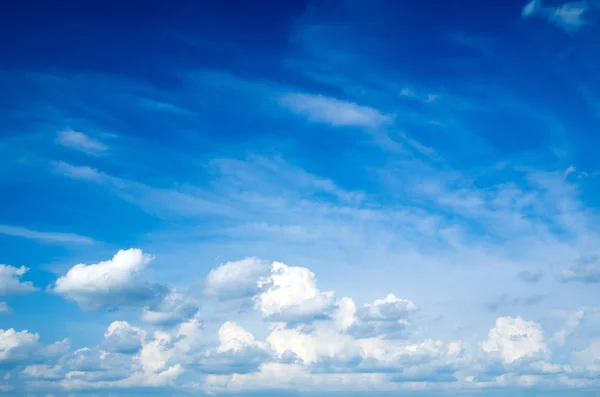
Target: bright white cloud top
300	198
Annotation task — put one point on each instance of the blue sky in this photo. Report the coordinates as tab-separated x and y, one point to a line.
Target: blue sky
300	198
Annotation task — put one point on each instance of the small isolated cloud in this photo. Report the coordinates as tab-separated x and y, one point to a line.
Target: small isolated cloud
514	338
569	16
290	294
10	281
4	308
110	284
46	237
322	109
570	169
425	98
530	276
122	337
80	141
585	270
237	279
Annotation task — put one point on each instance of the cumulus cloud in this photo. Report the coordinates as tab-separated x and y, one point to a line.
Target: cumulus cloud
238	352
122	337
234	280
312	337
174	308
20	347
16	345
80	141
110	284
10	283
387	317
514	338
290	294
322	109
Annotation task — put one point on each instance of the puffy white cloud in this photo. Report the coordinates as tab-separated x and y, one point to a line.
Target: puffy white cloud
386	317
237	352
174	308
10	283
514	338
345	313
322	344
168	349
234	280
291	294
17	345
122	337
21	347
111	283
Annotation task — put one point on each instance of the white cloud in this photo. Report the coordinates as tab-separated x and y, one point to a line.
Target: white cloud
567	330
157	201
569	16
4	308
10	283
17	345
237	352
586	270
386	317
43	371
23	347
122	337
111	283
514	338
237	279
531	8
47	237
590	356
322	109
174	308
291	294
80	141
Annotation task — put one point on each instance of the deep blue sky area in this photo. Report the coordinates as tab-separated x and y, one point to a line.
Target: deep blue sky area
305	198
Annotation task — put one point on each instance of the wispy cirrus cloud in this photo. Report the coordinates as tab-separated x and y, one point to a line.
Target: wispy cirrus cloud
80	141
322	109
569	16
45	237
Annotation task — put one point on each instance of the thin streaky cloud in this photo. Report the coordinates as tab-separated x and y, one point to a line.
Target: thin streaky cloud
47	237
80	141
323	109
